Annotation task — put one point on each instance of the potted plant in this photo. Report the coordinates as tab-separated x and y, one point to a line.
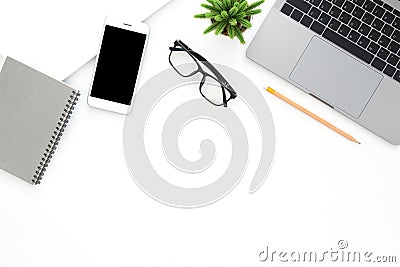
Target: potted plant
229	17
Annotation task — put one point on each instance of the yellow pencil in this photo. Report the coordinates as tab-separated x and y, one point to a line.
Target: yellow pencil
312	115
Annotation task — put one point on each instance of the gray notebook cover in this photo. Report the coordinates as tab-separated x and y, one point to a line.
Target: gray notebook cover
34	110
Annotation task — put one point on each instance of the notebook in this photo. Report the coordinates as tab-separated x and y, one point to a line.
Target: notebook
34	111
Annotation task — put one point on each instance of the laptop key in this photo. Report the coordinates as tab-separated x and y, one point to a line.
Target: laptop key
358	12
348	6
344	17
367	18
315	2
348	45
324	18
383	53
387	30
325	6
378	64
344	30
377	24
374	35
296	15
359	2
373	48
354	36
394	47
338	3
354	23
397	76
306	21
378	11
387	7
388	17
314	13
384	41
364	29
287	9
369	6
393	59
396	36
363	42
317	27
389	70
335	12
301	5
396	23
334	24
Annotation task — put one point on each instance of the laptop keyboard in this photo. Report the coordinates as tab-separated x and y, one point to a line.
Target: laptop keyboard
369	30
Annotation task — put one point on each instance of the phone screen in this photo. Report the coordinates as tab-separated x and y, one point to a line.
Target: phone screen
118	65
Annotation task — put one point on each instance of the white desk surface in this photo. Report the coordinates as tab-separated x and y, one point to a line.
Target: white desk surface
89	212
45	33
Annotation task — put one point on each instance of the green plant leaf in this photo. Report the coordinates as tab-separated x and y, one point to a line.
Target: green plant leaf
236	4
254	5
253	12
245	23
224	14
200	16
239	35
233	11
211	15
242	6
211	27
219	18
211	2
233	21
220	4
241	15
229	3
211	8
220	28
226	4
231	31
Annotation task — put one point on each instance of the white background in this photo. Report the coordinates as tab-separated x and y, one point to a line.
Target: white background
89	212
43	33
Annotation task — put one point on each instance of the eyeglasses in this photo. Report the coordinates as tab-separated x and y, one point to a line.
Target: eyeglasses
181	54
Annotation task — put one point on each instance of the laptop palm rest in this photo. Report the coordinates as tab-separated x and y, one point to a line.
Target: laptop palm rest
335	77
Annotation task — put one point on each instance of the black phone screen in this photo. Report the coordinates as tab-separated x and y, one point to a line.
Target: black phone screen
118	65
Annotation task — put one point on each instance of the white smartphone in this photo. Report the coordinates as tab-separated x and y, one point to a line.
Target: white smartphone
118	65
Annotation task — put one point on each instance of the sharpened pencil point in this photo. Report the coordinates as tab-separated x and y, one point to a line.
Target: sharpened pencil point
269	89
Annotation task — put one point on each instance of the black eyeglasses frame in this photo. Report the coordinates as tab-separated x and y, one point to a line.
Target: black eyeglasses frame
217	76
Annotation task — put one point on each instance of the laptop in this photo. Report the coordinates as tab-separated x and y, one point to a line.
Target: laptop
58	37
345	53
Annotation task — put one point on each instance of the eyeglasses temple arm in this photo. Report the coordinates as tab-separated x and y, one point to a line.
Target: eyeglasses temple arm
208	64
213	69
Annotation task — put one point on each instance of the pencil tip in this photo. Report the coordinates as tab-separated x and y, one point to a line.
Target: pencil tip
269	89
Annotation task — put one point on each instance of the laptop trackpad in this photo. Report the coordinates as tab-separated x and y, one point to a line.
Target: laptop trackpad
335	77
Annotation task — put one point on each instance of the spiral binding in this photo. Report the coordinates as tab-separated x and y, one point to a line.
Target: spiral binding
55	138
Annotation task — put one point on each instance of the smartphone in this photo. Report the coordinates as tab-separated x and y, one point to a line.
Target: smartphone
118	65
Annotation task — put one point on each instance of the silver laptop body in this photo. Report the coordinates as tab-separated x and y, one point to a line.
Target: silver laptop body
343	70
